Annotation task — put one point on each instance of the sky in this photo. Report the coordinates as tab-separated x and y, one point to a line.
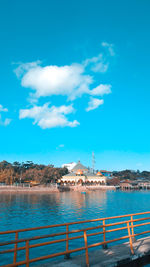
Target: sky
74	79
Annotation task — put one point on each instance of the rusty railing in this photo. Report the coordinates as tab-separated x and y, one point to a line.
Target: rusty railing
127	223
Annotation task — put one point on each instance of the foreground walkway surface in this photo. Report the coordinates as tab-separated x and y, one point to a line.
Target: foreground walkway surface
119	255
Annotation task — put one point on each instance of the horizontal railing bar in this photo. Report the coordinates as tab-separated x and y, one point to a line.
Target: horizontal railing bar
77	231
107	242
45	257
46	236
60	240
74	250
70	238
11	250
130	226
63	253
116	229
59	254
76	237
143	233
117	239
107	231
56	241
124	222
42	244
138	225
140	219
72	223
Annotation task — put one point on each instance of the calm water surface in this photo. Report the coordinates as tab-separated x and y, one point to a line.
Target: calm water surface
31	210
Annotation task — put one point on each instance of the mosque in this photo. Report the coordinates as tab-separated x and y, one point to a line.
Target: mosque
81	175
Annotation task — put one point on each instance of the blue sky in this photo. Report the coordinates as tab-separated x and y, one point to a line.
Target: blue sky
75	79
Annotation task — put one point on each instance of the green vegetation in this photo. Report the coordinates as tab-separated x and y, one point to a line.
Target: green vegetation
132	175
118	176
28	171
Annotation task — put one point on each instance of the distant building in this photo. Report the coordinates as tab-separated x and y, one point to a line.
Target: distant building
136	184
143	184
128	184
106	173
69	166
80	175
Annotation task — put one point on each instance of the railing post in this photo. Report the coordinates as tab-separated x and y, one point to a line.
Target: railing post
132	229
86	249
130	238
104	236
67	255
16	245
27	253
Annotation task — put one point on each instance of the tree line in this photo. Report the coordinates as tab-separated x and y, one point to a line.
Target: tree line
118	176
28	171
132	175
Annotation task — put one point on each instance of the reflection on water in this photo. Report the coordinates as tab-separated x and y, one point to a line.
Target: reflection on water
31	210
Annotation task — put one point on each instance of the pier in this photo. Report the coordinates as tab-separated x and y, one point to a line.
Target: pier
113	241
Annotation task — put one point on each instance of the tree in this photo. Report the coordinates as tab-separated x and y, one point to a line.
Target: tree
28	171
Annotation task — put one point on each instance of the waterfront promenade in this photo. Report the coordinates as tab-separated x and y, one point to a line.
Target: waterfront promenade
118	255
52	188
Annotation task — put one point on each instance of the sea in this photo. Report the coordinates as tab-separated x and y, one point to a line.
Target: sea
24	210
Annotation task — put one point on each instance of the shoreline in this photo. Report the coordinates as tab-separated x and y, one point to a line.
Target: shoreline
40	189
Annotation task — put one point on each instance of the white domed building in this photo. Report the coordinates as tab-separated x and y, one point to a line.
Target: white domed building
80	175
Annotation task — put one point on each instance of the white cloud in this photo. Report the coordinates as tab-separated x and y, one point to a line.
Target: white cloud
6	121
71	81
110	48
94	103
100	63
97	64
24	67
60	146
54	80
100	67
49	117
101	90
2	109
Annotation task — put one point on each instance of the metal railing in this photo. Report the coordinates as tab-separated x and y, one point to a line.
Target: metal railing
129	224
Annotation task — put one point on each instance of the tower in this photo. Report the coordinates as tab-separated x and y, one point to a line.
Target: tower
93	161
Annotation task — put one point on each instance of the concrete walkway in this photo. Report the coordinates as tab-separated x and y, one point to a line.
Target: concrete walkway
118	255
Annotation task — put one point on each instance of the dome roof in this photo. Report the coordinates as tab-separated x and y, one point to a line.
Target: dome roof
99	173
79	166
79	172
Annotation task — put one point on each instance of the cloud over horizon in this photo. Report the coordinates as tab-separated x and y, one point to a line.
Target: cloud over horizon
72	81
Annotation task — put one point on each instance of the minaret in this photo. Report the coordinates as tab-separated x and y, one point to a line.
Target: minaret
93	161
